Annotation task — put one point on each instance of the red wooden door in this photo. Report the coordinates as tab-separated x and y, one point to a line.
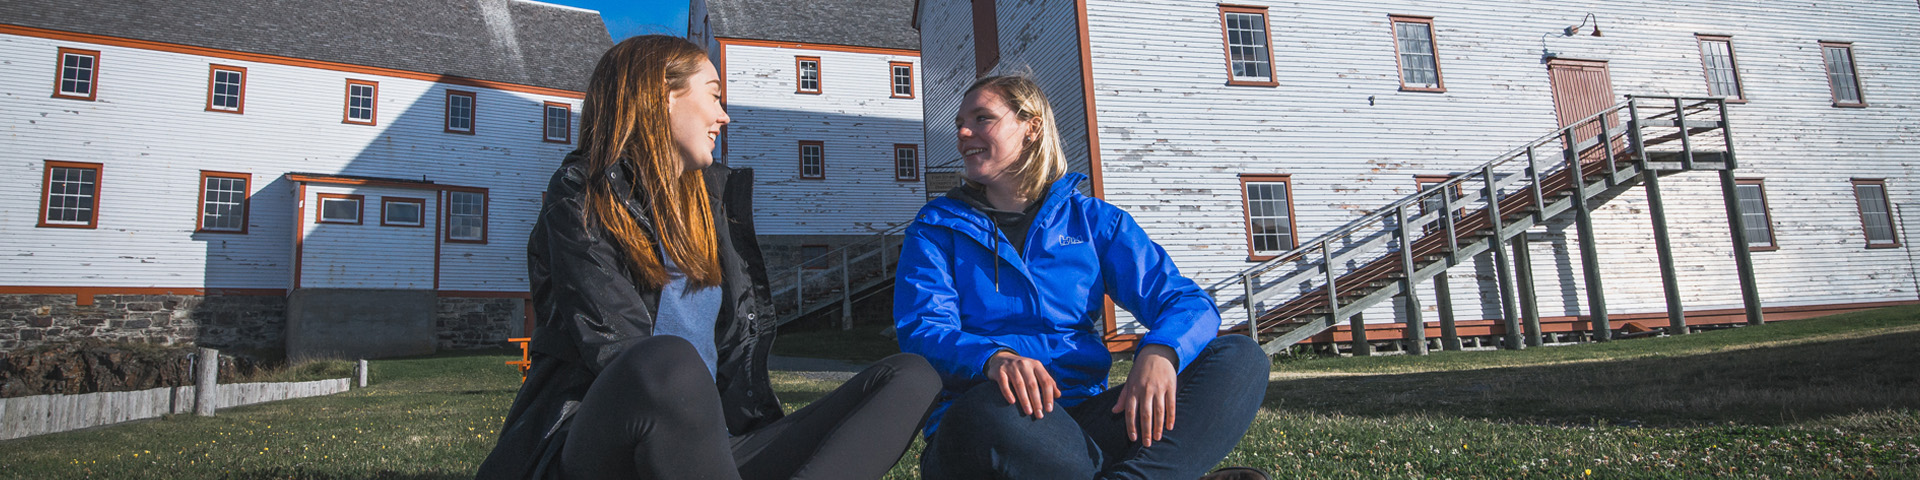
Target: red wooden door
1582	88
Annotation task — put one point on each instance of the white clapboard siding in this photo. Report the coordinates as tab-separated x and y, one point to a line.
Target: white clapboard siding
947	68
1174	136
150	131
370	254
1037	39
855	119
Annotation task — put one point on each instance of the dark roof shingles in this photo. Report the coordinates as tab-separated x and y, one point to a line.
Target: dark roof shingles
865	23
556	46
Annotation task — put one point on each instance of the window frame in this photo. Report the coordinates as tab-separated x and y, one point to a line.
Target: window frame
213	83
46	193
447	215
473	114
1766	210
1421	182
546	122
246	202
1853	64
1733	65
320	208
800	76
896	162
386	216
60	74
893	79
373	107
986	36
1893	230
1246	212
1433	50
1226	45
801	157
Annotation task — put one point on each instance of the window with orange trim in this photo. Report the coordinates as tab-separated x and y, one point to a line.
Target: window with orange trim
556	122
467	216
1249	47
813	160
461	110
226	89
70	195
362	102
1875	218
338	208
1267	201
402	212
79	74
1414	52
223	202
902	75
808	71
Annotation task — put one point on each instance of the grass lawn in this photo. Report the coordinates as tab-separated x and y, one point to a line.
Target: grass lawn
1837	397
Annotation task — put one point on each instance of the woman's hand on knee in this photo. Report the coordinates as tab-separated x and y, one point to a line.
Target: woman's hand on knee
1024	382
1148	397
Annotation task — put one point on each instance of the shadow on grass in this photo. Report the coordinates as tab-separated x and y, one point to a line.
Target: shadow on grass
1762	386
299	473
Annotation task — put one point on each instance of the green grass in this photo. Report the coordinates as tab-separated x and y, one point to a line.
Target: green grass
1829	398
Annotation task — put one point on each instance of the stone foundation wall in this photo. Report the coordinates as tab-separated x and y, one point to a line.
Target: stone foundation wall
218	321
466	323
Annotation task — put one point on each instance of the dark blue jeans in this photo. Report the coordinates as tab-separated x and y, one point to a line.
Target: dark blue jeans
981	436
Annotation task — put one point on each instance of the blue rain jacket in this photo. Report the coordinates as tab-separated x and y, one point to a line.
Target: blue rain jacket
963	293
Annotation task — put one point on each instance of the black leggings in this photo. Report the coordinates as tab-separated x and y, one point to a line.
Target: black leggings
654	413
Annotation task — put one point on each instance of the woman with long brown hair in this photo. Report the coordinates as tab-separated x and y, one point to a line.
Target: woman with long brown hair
645	274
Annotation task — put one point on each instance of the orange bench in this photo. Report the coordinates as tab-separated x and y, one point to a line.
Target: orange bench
524	363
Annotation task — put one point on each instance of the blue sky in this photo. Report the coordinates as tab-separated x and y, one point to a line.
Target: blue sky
626	18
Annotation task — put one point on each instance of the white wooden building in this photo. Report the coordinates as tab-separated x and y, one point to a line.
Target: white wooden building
1235	132
825	100
165	164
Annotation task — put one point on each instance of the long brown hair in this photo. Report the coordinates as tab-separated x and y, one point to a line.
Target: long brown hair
1042	161
625	116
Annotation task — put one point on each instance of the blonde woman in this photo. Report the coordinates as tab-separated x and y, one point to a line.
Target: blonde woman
1000	287
649	359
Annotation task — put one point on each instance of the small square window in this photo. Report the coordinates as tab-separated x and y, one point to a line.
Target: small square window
809	74
226	89
906	162
1249	49
71	195
902	79
813	160
467	216
402	211
557	123
338	208
460	111
362	101
223	202
78	75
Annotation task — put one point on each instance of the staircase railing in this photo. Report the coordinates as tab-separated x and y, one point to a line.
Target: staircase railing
836	277
1311	288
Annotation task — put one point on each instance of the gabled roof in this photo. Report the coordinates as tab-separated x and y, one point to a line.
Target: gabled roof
864	23
512	41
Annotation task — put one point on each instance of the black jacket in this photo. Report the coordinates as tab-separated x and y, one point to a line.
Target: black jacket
587	309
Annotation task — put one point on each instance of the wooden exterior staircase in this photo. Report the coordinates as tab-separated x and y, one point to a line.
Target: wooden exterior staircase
840	277
1380	257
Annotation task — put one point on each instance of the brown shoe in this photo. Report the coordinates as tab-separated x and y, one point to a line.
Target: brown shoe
1237	473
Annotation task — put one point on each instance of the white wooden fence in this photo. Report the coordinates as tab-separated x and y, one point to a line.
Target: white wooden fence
41	414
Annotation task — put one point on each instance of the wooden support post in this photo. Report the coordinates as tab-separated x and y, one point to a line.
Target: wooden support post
1589	253
206	376
1361	348
360	372
1443	300
1669	279
1416	334
846	292
1253	308
1509	317
1742	255
1529	303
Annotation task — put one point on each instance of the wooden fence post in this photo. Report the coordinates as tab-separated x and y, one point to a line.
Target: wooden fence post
206	394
